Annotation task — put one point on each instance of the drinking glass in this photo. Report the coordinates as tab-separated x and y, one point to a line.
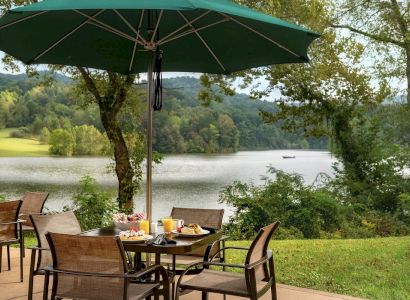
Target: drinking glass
168	225
144	225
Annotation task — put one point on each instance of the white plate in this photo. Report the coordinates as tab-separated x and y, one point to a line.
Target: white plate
204	232
146	238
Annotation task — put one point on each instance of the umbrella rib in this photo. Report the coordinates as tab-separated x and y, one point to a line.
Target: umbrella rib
157	25
109	28
63	38
182	34
262	35
186	25
137	32
135	43
21	20
203	41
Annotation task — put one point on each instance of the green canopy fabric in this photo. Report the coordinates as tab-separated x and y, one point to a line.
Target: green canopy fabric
210	36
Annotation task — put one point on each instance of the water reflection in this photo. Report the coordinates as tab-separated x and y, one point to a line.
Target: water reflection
181	180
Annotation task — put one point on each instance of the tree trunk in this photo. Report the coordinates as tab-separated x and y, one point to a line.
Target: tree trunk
408	74
123	167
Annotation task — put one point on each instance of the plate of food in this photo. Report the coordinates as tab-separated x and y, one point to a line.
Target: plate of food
134	236
192	230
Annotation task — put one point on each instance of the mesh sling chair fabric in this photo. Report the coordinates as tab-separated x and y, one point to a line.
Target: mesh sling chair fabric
11	231
258	277
207	218
95	268
33	203
65	222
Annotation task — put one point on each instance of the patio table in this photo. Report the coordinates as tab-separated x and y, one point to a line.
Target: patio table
183	244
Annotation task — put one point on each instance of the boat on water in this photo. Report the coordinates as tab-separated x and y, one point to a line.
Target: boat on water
288	156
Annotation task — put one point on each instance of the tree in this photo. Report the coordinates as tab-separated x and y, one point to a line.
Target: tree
385	23
61	142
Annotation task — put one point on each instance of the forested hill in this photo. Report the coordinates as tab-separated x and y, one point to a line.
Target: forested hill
183	125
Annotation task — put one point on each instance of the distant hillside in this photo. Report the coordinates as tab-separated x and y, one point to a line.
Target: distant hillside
184	125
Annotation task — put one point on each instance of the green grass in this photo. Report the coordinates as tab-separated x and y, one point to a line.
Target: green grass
14	147
368	268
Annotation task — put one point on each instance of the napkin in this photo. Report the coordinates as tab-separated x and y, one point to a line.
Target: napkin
162	240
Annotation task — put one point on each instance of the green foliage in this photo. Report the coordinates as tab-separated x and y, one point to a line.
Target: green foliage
61	143
92	205
307	212
285	198
44	136
2	198
79	140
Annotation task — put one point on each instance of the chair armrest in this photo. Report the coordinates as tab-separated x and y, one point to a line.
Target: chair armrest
260	262
125	276
226	248
15	222
38	248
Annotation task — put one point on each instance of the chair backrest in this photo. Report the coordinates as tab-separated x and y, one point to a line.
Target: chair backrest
96	255
33	203
9	212
259	248
65	222
210	218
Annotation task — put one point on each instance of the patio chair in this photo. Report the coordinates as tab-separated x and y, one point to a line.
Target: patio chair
95	268
65	222
11	231
257	279
210	219
33	203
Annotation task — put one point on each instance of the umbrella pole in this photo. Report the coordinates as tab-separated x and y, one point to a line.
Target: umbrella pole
148	204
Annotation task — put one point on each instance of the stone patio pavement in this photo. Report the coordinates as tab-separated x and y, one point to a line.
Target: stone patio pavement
11	288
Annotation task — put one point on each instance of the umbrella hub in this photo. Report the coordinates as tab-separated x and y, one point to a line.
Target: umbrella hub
150	46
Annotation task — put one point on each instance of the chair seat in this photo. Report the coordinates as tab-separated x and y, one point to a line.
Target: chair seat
218	282
181	259
135	291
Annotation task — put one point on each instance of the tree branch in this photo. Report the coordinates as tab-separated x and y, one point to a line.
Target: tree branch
92	88
399	18
369	35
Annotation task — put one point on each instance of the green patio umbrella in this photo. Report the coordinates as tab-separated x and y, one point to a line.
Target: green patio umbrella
133	36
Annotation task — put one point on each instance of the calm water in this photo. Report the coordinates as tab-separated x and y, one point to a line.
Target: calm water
181	180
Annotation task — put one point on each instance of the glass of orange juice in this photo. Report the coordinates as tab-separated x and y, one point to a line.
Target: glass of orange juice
144	225
168	224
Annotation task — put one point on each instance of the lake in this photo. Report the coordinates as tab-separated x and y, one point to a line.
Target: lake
180	180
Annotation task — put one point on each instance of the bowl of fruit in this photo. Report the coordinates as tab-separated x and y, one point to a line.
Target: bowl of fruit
124	222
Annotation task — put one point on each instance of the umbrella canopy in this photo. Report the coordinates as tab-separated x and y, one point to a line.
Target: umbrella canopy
208	36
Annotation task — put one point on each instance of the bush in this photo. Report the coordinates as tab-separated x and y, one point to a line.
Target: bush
20	133
88	140
61	143
2	198
44	136
92	205
303	211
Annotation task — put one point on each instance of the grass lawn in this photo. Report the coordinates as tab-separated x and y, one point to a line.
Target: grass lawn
367	268
13	147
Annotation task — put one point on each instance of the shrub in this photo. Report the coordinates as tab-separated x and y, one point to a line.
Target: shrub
44	136
92	205
88	140
61	143
20	133
303	211
2	198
